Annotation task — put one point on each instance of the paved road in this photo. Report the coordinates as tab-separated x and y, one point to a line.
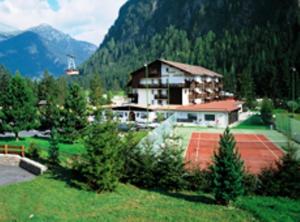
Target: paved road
10	175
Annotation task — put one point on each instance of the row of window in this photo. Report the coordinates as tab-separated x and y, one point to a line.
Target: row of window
207	117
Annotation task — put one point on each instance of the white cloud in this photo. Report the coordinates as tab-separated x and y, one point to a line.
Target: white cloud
83	19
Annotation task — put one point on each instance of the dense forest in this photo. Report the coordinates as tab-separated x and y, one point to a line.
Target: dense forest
255	44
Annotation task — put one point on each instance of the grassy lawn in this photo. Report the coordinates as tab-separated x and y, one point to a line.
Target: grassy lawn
253	122
66	150
47	199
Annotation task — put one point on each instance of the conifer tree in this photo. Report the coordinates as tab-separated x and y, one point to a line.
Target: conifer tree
266	111
139	165
53	155
19	107
170	165
100	168
227	170
74	113
4	83
96	91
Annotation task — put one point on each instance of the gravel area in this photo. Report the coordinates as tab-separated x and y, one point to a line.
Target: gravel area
12	174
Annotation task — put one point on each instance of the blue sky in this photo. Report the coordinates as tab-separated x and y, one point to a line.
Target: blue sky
87	20
54	4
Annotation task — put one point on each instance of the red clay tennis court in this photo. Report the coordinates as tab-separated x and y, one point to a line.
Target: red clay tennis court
257	151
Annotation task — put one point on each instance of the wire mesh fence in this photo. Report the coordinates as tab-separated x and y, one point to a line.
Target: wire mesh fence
156	136
288	126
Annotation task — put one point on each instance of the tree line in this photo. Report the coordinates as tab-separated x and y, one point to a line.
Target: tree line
47	103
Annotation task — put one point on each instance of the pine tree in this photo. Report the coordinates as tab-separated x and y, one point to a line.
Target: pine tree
227	170
100	168
288	174
266	111
74	114
53	153
4	83
96	91
170	165
19	107
139	165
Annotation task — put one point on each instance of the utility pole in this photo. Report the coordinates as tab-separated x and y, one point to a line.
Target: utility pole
294	70
147	91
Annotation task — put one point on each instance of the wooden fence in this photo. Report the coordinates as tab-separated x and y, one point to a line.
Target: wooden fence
8	149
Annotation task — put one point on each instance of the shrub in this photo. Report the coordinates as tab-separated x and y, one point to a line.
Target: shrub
227	171
284	179
34	151
250	184
198	180
170	169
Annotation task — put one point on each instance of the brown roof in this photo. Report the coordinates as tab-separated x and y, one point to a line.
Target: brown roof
218	106
191	69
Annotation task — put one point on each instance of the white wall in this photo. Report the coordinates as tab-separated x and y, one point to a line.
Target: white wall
185	96
140	116
221	119
142	96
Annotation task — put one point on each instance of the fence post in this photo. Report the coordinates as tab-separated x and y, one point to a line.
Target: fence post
22	151
5	149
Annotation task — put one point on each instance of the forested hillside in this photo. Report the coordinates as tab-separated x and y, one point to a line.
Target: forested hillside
254	43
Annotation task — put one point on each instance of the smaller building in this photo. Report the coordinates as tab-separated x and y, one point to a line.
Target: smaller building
214	114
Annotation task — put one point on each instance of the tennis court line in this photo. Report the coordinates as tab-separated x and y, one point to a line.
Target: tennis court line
274	154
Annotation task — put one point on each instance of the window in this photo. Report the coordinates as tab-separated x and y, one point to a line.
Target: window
192	116
153	102
210	117
167	69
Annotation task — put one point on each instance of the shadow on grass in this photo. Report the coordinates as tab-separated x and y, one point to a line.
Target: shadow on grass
200	198
11	139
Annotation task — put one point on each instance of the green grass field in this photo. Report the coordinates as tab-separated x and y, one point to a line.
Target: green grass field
66	150
254	122
47	199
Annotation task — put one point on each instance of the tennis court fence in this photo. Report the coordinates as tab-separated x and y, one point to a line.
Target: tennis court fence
288	126
156	136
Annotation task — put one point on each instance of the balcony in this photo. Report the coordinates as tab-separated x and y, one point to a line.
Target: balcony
161	96
133	97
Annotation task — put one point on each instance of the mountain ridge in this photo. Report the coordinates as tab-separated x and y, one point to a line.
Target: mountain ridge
46	50
230	37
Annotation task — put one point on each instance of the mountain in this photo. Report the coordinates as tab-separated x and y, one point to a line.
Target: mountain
250	41
7	31
42	48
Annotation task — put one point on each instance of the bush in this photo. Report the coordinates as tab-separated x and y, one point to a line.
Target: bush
250	184
198	180
139	165
284	179
170	165
33	151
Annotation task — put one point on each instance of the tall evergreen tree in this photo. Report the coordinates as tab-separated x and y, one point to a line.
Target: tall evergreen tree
100	168
266	111
96	91
4	82
227	170
74	113
53	153
19	107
